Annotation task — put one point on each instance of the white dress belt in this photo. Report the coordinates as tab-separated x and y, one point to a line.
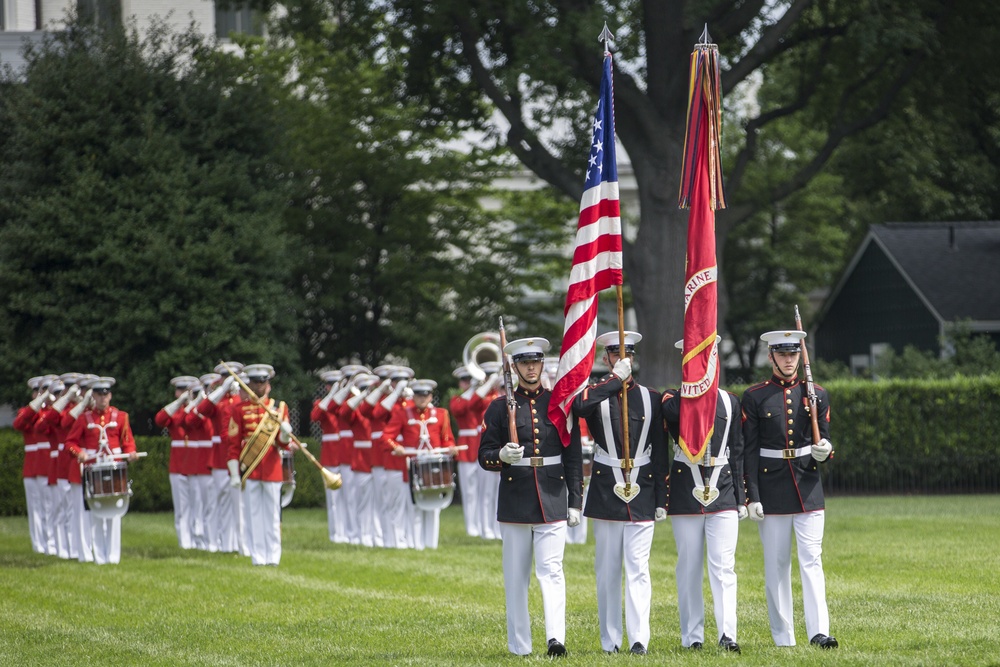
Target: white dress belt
468	432
786	453
362	444
714	461
603	458
177	443
537	461
331	437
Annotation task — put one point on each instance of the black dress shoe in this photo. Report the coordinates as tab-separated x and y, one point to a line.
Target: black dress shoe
614	650
695	646
638	649
556	647
823	641
727	644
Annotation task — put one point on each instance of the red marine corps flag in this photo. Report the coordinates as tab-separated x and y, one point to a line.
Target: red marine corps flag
597	259
701	192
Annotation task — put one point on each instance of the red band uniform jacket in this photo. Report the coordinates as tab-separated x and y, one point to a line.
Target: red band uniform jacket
532	495
602	503
732	493
776	417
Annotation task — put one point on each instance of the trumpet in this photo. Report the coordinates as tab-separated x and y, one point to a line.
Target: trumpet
476	351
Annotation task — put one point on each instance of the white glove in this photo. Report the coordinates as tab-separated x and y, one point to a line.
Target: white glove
286	428
408	393
36	402
174	406
574	518
61	402
821	450
623	368
341	395
376	394
511	452
756	511
82	405
234	473
741	512
354	401
219	392
661	514
487	387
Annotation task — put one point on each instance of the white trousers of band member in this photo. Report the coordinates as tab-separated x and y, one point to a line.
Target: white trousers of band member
199	486
776	538
695	535
333	524
489	492
547	542
348	504
618	546
79	526
426	528
61	517
33	487
469	480
396	496
180	492
107	536
578	534
50	492
262	516
362	504
378	505
222	525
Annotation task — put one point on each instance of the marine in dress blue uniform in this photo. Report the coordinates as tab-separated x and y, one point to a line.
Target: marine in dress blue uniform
784	488
623	529
541	487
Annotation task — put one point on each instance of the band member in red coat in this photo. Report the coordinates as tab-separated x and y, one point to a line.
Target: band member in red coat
35	433
467	408
329	454
225	521
171	417
103	428
262	491
200	432
421	426
398	513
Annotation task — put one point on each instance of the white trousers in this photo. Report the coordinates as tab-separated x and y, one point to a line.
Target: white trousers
469	480
489	492
332	498
396	495
695	535
199	486
262	517
547	543
222	525
623	546
36	511
79	527
348	505
379	476
107	536
181	494
61	517
50	495
363	503
776	537
427	526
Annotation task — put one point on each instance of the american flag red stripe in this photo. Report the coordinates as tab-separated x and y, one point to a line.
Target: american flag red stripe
597	261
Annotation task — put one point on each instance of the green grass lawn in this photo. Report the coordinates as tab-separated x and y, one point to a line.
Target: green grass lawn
910	581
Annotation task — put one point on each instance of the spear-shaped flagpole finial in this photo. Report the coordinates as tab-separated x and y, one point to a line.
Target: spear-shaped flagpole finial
606	37
705	39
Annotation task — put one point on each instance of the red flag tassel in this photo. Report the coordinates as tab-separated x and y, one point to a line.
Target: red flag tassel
704	91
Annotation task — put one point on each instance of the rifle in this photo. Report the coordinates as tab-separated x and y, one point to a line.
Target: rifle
810	386
508	385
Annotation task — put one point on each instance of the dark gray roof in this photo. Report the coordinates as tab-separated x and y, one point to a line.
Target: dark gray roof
955	265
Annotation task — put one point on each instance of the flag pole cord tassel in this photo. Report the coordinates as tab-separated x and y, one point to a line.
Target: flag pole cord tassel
704	106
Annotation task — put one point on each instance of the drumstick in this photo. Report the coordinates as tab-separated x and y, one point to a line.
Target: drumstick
116	457
412	451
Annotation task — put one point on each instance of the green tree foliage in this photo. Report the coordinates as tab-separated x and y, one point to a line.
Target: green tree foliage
966	355
396	254
139	219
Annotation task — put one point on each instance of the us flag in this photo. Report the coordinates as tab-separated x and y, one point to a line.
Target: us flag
597	260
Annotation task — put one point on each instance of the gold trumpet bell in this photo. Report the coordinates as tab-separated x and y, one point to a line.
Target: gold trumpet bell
331	480
484	346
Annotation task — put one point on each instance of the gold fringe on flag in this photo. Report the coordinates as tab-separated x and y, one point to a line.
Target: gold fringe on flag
704	95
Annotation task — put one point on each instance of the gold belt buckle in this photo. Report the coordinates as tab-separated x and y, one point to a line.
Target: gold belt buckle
630	463
536	461
788	454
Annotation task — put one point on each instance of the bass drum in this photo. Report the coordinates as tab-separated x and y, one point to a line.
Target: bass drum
107	488
432	481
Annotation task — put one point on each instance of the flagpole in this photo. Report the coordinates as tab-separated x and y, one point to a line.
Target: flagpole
606	37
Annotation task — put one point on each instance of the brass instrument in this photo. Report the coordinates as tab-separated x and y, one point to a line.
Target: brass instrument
331	480
474	354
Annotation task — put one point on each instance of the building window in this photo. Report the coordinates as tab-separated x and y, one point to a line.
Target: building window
235	18
102	13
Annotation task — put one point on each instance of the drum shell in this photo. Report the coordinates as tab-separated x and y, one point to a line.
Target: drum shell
107	488
432	480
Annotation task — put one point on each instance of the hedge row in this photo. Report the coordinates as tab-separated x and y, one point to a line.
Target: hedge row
897	436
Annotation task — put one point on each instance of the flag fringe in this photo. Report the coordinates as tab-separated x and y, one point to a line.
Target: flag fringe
705	91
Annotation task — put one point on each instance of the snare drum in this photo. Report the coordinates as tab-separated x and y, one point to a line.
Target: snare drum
108	488
432	480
